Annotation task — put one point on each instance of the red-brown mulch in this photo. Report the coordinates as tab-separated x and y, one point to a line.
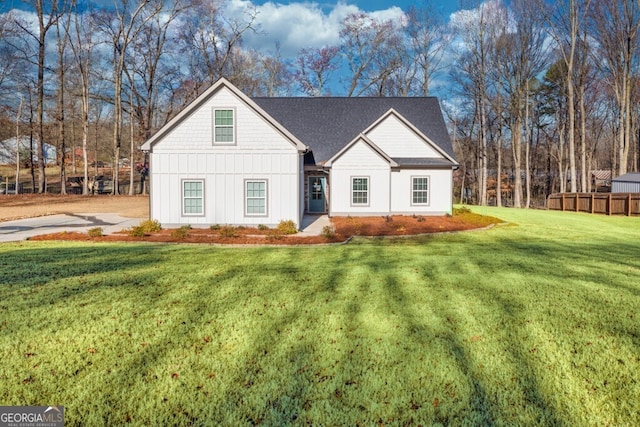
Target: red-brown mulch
345	227
244	236
399	225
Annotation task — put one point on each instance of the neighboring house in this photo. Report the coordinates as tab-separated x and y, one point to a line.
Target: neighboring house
600	181
8	151
627	183
231	159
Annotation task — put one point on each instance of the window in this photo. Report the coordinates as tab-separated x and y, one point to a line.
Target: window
223	127
360	191
420	190
256	197
193	197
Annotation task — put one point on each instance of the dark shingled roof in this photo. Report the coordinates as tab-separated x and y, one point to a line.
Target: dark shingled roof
327	124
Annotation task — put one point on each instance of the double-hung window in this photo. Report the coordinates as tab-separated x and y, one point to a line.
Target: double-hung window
255	197
420	190
223	126
193	197
360	191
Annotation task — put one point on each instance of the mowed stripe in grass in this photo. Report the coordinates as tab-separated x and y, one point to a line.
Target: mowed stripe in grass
529	323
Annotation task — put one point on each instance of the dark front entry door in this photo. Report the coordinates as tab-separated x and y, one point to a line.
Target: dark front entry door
317	187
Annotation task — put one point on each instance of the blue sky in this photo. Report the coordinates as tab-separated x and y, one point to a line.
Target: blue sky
445	7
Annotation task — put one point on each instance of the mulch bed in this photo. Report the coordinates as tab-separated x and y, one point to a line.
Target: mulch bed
345	227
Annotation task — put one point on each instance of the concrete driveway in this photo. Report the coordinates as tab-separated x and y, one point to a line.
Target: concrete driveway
22	229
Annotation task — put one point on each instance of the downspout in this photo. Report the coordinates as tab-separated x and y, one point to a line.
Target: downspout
145	155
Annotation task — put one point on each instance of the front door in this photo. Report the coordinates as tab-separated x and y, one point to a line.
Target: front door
317	187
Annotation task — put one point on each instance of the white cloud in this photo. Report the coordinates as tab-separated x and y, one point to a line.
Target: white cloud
300	25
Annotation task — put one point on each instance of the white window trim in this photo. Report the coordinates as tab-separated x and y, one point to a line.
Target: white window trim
368	191
233	126
428	190
266	198
183	197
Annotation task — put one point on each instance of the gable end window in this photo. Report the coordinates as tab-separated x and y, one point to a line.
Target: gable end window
420	190
192	197
224	126
359	191
255	196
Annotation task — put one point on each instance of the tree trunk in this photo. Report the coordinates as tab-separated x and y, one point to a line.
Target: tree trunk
583	139
516	146
42	181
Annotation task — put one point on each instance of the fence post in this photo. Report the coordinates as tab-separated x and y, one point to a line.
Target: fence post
577	202
609	204
562	203
593	202
629	204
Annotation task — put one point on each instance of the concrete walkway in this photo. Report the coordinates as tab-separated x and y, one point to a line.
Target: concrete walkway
22	229
312	225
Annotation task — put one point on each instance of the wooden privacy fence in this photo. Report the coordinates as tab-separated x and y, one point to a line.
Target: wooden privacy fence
602	203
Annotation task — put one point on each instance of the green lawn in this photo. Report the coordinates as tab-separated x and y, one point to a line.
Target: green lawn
536	322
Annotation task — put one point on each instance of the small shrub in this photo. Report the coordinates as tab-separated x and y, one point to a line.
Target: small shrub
150	226
262	227
328	232
287	227
275	234
136	231
181	233
388	218
95	232
215	227
461	210
228	231
419	218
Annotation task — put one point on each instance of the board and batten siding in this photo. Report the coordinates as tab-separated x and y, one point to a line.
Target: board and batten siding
440	191
359	161
260	152
397	140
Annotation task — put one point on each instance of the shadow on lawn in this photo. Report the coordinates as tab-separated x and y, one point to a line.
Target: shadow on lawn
423	333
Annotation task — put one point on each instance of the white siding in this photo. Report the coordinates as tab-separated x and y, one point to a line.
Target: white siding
359	161
397	140
195	133
440	191
260	152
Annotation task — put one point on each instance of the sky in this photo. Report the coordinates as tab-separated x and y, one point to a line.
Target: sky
294	25
307	24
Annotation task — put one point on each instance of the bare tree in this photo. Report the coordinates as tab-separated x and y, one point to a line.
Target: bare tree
149	70
62	42
428	42
364	41
121	26
615	25
523	57
47	13
276	75
82	43
565	18
475	30
313	67
211	40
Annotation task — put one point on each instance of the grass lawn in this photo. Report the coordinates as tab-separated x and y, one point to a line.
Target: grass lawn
531	323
